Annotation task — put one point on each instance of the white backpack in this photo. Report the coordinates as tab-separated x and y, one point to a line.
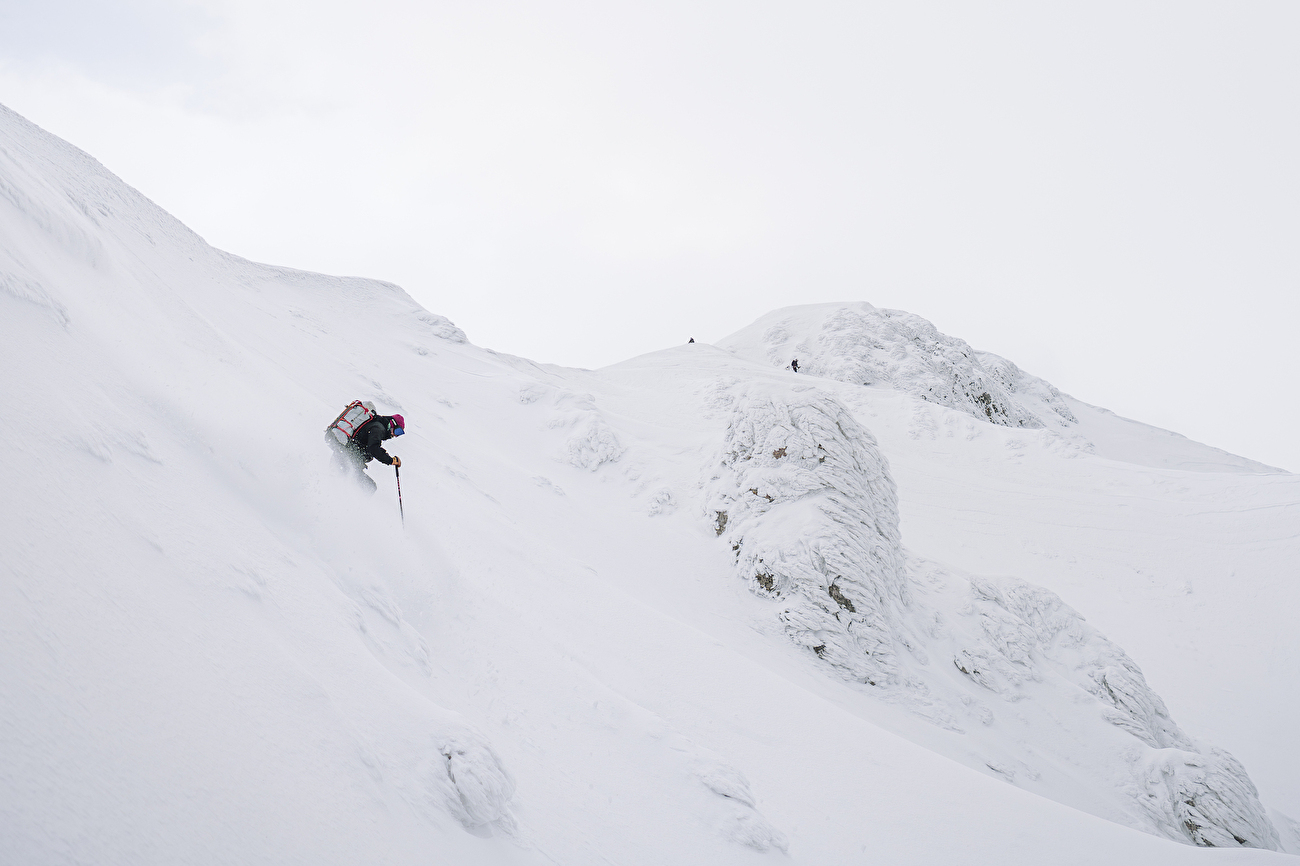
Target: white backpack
350	420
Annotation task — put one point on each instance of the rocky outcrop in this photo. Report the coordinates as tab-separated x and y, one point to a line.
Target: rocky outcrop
804	498
862	345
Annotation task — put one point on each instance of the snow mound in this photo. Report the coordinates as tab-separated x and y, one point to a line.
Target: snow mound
744	823
862	345
442	327
479	789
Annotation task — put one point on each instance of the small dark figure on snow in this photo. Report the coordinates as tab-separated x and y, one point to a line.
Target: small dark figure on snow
691	340
366	444
794	365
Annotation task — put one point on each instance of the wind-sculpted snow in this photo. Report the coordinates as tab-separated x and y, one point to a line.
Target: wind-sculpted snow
592	443
744	823
480	787
25	289
1190	791
441	326
1036	395
804	498
863	345
1018	619
1209	796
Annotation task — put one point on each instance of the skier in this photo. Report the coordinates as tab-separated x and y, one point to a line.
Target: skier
794	365
365	445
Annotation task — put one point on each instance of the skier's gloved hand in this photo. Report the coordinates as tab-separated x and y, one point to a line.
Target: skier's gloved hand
397	461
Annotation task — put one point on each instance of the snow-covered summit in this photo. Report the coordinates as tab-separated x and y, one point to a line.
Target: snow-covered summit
691	608
862	345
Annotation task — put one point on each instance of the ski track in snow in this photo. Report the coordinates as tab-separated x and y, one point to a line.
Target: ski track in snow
662	612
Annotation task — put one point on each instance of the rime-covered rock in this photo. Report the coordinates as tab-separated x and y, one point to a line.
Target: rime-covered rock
1191	791
862	345
804	498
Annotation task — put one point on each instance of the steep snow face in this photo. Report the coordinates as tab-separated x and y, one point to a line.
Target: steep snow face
862	345
199	635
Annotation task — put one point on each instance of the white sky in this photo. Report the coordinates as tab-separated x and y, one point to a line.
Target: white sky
1107	193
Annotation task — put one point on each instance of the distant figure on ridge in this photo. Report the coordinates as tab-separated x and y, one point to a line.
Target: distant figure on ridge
356	436
794	365
691	340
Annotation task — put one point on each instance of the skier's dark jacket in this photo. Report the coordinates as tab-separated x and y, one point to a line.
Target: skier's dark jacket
365	443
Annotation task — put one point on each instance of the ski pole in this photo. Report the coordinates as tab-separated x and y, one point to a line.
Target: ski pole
398	471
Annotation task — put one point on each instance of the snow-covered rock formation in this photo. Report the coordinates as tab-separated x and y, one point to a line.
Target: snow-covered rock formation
803	497
862	345
1188	790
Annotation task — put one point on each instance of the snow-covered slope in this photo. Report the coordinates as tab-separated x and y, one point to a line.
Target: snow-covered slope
214	650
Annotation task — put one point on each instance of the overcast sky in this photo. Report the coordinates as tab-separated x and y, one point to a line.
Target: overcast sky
1108	194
